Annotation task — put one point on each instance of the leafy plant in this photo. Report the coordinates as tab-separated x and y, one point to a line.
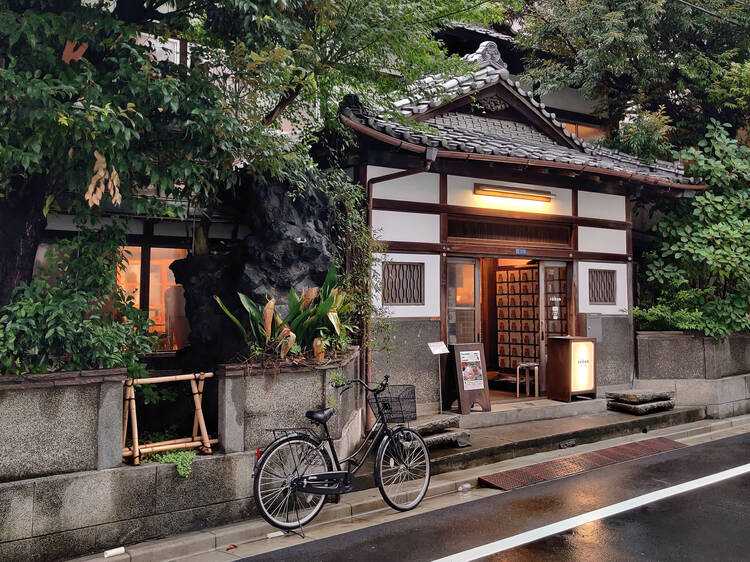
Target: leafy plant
645	134
74	315
316	314
182	460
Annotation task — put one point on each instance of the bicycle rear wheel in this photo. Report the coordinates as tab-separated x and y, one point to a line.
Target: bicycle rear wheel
289	458
402	469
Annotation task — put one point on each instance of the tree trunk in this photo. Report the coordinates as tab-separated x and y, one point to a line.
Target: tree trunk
22	224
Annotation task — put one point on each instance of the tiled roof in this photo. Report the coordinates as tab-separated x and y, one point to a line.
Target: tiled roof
482	135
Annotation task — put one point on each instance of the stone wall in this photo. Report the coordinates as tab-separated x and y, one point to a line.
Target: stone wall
60	422
66	515
677	355
279	399
408	360
614	348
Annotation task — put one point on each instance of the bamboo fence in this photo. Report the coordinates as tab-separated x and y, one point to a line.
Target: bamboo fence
199	438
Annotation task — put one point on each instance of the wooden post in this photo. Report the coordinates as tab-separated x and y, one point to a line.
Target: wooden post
125	410
134	427
195	416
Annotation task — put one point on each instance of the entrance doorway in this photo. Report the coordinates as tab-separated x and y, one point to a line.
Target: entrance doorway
511	306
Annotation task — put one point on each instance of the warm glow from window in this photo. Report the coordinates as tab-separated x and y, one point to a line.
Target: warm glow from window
581	366
465	284
586	132
166	299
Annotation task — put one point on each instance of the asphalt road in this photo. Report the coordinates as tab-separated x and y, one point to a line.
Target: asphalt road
711	523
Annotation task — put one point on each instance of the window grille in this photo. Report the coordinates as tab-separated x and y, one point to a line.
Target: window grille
403	283
602	286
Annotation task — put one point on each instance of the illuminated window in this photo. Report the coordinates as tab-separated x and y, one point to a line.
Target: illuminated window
586	132
164	299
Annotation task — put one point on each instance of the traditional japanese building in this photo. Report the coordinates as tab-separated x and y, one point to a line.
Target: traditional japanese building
501	225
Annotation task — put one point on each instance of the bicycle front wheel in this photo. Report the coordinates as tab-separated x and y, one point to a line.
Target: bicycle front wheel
289	458
402	469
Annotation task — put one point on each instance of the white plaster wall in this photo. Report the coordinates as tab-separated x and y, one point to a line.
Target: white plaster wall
606	240
461	192
431	306
395	226
422	188
602	205
622	300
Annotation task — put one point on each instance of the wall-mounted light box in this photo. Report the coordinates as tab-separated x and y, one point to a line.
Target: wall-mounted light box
571	367
513	192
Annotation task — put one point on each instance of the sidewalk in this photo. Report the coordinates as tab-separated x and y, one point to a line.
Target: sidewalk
366	508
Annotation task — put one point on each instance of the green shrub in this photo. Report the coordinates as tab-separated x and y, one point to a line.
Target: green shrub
180	459
74	315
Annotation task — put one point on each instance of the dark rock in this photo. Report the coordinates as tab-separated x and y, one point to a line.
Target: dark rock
640	409
458	438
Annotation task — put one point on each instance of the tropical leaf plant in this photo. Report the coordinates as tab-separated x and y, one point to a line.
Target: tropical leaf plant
317	319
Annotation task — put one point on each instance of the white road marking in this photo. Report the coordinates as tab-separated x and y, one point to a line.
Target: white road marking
601	513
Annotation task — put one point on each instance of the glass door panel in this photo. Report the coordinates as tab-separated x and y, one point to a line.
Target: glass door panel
463	299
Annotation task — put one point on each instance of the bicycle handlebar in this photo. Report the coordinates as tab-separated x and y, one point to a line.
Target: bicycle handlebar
381	386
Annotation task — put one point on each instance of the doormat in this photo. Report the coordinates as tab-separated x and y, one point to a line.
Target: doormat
560	468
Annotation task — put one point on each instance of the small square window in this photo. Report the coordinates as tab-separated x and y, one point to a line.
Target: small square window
403	283
602	286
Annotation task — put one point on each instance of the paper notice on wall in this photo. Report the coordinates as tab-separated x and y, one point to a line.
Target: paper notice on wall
555	313
471	370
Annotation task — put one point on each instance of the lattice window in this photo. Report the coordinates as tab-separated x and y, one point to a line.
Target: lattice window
602	286
403	283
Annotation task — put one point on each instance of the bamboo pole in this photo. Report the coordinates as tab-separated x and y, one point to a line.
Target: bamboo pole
134	428
125	410
199	414
195	416
128	451
156	447
170	378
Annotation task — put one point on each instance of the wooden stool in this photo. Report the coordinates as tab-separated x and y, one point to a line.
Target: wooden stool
526	367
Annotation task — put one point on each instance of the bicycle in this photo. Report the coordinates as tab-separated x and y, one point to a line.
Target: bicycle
296	472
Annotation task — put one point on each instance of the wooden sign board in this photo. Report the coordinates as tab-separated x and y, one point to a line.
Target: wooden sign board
470	372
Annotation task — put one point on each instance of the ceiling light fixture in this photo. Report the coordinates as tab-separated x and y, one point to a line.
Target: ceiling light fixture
512	192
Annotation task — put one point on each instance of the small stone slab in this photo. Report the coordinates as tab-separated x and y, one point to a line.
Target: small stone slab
436	424
639	396
448	439
640	409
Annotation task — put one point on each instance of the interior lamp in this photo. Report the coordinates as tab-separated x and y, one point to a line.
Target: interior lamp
513	192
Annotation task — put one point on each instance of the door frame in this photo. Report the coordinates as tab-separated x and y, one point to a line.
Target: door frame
477	293
567	264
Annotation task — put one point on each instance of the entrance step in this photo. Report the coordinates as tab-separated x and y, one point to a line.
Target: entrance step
451	438
434	424
531	410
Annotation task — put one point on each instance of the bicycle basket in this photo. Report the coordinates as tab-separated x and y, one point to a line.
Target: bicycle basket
398	402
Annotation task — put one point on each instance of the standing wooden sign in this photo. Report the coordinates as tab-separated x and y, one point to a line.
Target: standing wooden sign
471	376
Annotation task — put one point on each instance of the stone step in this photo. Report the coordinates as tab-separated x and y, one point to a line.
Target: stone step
451	438
639	396
640	409
436	424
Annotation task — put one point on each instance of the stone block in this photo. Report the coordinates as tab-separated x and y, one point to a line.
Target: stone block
614	350
16	509
48	431
213	479
231	414
109	426
670	355
72	501
639	396
640	409
436	424
126	532
56	546
408	360
730	356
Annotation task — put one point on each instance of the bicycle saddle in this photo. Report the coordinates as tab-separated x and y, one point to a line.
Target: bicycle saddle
320	416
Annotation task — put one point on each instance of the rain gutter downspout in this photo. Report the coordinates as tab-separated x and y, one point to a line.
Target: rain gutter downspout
430	157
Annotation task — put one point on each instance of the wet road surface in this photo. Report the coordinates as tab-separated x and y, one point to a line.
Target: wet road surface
710	523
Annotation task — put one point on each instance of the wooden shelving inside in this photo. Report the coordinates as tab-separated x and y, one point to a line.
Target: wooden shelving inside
517	316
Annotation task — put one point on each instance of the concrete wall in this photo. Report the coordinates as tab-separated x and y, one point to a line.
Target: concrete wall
255	401
60	422
723	398
66	515
677	355
614	348
408	360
